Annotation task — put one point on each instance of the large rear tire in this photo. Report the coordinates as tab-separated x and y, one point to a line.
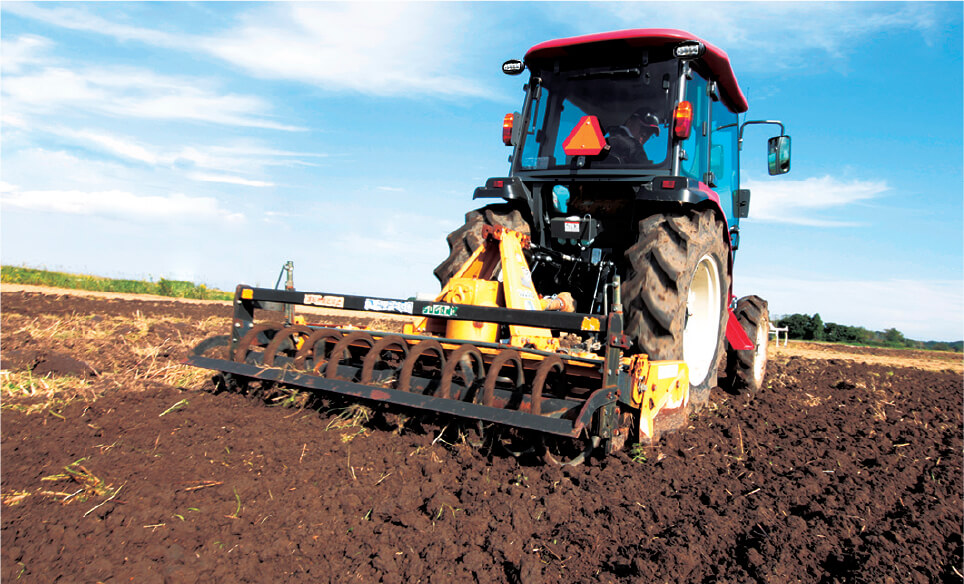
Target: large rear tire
466	239
676	290
745	370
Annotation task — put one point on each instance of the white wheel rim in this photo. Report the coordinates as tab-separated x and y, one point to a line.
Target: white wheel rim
701	332
760	355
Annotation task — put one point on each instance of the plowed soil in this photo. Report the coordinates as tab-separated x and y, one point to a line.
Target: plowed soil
121	465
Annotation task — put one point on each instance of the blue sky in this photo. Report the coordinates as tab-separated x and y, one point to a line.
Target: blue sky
213	141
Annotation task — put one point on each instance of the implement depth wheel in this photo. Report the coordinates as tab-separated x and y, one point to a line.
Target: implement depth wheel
466	239
746	369
676	290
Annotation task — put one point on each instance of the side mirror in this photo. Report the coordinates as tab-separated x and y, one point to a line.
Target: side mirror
778	155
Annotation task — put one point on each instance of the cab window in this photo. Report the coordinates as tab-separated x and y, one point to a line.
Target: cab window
724	156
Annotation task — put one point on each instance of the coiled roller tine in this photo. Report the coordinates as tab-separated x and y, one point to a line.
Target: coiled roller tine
251	336
271	351
551	362
329	336
455	358
373	356
500	361
301	356
405	375
331	370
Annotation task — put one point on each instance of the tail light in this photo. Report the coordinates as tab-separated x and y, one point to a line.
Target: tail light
507	129
683	120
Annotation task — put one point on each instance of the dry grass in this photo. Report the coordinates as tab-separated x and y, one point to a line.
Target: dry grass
352	418
928	360
75	484
120	349
25	392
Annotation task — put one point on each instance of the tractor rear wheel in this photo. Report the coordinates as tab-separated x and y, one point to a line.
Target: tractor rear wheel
466	239
675	292
746	369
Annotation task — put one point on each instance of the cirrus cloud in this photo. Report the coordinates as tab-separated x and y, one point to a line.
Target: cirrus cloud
807	201
122	205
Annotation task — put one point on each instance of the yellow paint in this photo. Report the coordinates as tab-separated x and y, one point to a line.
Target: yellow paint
517	284
502	248
477	293
657	385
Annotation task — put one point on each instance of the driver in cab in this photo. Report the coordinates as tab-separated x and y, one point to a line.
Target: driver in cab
626	141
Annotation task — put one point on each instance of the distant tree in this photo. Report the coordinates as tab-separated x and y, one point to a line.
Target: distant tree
894	337
864	335
797	325
806	327
816	327
839	333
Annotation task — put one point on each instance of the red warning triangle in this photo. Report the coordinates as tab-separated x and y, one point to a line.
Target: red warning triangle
586	139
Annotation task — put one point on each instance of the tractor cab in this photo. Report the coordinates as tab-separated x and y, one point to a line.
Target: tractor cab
613	120
629	105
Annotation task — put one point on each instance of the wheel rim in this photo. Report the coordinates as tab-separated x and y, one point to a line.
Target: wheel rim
760	355
701	331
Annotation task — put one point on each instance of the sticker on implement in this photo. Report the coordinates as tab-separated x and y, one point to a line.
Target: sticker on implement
589	324
668	371
440	310
389	305
572	226
327	301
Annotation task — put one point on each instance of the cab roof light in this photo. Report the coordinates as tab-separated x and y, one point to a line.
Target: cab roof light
513	67
683	120
507	122
689	50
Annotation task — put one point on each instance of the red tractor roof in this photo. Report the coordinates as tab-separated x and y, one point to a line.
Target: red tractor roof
715	59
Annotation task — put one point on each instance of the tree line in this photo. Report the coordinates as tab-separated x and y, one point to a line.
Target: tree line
812	328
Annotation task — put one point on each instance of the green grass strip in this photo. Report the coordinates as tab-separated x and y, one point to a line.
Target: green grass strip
163	287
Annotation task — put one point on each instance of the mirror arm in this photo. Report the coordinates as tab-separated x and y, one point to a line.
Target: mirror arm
745	124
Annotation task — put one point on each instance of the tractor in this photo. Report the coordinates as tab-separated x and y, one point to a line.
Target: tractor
591	296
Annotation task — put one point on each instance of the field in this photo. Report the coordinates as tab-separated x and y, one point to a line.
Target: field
121	465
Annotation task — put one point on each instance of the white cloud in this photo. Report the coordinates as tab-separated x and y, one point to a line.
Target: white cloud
116	145
803	202
73	18
9	120
242	163
132	92
234	180
392	49
921	309
45	181
21	51
40	169
122	205
781	35
381	49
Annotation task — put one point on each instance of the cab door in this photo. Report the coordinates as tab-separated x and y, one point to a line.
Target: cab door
725	158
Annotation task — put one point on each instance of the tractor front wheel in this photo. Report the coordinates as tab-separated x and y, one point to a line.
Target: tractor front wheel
746	369
676	290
